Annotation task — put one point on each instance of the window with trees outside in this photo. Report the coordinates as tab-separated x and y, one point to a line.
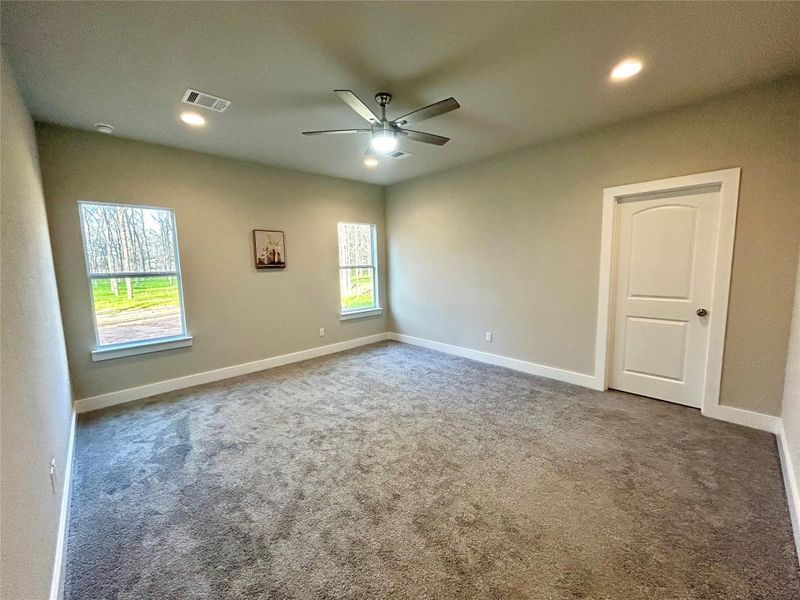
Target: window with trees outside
134	271
358	275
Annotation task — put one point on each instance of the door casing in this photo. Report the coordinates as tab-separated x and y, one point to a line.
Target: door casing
727	181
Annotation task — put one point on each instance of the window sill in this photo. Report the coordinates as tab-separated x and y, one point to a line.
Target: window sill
121	350
360	314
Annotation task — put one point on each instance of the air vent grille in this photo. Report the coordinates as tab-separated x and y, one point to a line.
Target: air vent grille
204	100
397	154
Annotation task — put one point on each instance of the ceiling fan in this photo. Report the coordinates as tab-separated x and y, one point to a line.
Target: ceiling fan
384	133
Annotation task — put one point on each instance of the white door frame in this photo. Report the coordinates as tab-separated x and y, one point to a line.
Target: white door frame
727	181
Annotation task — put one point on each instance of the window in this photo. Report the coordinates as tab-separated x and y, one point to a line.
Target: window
134	271
358	276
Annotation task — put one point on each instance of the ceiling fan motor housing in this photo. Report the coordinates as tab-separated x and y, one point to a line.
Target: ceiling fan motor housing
383	98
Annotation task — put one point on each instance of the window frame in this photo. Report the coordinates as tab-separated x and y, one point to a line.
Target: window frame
376	308
121	349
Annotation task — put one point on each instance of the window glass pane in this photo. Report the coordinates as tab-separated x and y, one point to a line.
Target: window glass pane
355	244
124	239
136	308
357	288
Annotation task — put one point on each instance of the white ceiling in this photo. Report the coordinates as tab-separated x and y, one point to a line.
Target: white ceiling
523	72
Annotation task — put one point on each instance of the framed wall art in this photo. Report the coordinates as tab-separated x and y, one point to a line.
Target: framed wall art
270	249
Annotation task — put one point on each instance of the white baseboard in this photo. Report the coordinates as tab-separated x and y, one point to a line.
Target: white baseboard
791	484
59	564
723	413
589	381
739	416
170	385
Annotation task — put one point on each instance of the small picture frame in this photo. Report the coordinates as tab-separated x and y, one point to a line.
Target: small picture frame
269	248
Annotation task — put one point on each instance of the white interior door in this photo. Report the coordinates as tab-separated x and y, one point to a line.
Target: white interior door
662	291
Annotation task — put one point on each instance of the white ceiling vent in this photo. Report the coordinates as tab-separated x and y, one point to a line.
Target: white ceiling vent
205	100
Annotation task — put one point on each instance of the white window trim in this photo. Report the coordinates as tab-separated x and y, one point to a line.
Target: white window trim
109	351
361	313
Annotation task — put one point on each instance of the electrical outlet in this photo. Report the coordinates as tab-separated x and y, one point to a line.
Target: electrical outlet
53	475
488	336
321	332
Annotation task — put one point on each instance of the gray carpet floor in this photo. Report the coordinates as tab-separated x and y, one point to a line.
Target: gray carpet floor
397	472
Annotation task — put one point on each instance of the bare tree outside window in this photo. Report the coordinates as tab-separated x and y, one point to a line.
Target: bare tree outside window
131	258
358	281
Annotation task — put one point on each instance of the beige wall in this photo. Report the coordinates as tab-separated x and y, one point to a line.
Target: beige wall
235	313
511	244
35	403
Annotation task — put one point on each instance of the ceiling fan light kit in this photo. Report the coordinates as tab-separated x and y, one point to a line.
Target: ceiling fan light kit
384	134
384	140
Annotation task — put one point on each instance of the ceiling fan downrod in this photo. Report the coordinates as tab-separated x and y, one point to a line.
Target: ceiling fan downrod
383	99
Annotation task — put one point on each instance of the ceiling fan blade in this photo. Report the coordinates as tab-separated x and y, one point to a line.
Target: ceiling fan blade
327	131
421	136
357	105
432	110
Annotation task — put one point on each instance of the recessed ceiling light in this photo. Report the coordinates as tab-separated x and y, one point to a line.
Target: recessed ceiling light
627	68
193	119
371	161
104	127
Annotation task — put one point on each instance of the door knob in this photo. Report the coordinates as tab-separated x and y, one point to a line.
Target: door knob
702	312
